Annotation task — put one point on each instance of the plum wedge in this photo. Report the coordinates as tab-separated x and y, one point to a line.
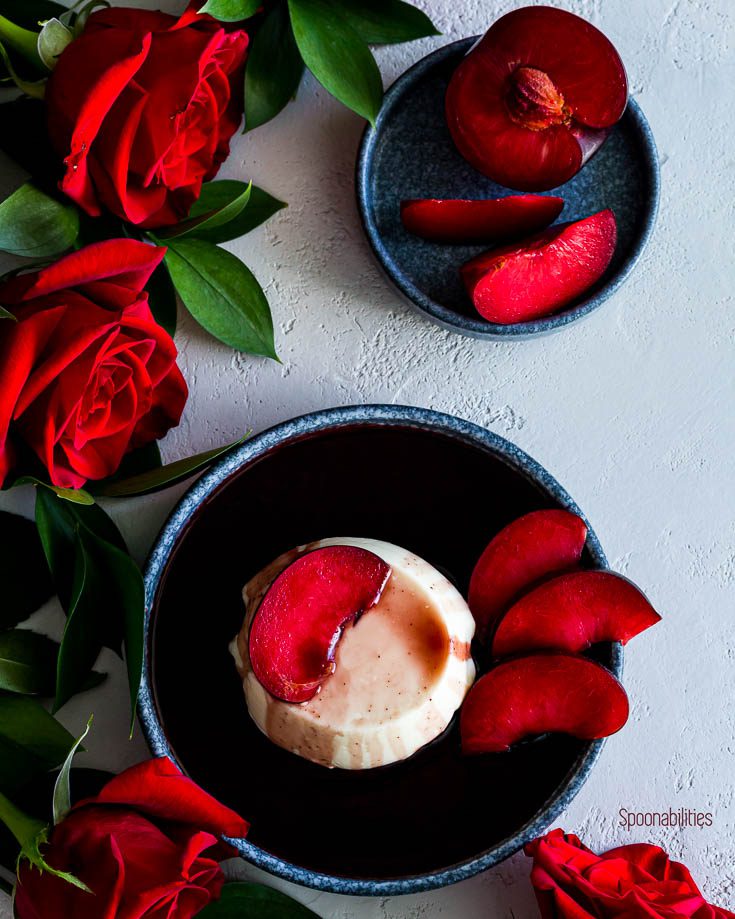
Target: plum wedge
540	693
573	612
486	221
532	547
535	98
539	275
296	628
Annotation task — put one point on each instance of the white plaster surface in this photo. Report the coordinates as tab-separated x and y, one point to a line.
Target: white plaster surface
631	410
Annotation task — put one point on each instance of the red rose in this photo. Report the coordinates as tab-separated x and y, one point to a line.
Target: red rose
86	373
141	846
142	107
630	882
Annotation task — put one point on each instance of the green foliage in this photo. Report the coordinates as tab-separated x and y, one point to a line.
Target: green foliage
231	10
256	901
385	22
31	741
100	587
205	218
162	298
35	225
260	207
155	479
222	294
337	56
62	788
27	663
274	68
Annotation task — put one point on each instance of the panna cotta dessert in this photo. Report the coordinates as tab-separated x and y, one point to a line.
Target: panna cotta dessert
354	653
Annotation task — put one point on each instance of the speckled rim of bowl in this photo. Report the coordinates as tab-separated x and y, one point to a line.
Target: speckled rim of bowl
314	424
442	315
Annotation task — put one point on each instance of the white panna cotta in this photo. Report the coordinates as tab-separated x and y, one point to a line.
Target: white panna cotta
401	670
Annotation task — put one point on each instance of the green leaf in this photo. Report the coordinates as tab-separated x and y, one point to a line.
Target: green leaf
23	41
59	524
231	10
24	574
129	581
35	88
162	298
53	38
5	314
35	799
31	741
143	459
62	788
385	22
107	590
337	56
31	835
170	474
27	663
205	219
75	495
83	633
274	68
34	225
256	901
222	295
260	208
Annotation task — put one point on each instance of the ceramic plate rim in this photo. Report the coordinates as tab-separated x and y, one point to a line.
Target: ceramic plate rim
442	315
316	423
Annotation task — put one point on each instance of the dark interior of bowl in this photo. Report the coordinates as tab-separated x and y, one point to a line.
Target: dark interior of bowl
414	157
426	491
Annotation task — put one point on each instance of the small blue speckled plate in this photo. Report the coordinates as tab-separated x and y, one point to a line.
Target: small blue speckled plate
433	483
410	154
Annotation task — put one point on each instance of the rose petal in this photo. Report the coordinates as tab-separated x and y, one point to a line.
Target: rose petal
157	788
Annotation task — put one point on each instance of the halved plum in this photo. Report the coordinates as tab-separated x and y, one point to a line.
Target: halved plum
573	612
532	547
296	628
541	693
538	276
535	98
485	221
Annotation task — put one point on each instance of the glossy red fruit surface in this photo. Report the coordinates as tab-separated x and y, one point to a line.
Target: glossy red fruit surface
572	612
295	631
532	547
540	693
535	98
538	276
491	220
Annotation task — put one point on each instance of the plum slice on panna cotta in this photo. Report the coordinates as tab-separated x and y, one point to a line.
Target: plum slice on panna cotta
370	643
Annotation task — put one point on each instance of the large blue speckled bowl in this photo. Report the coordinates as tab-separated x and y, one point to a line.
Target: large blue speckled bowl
441	487
410	154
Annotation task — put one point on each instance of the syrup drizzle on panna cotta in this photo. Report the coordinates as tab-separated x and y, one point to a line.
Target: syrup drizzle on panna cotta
400	671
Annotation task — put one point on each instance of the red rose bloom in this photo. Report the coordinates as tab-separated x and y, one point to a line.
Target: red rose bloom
86	373
142	846
630	882
142	107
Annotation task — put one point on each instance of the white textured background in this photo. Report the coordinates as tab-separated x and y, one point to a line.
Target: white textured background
631	410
